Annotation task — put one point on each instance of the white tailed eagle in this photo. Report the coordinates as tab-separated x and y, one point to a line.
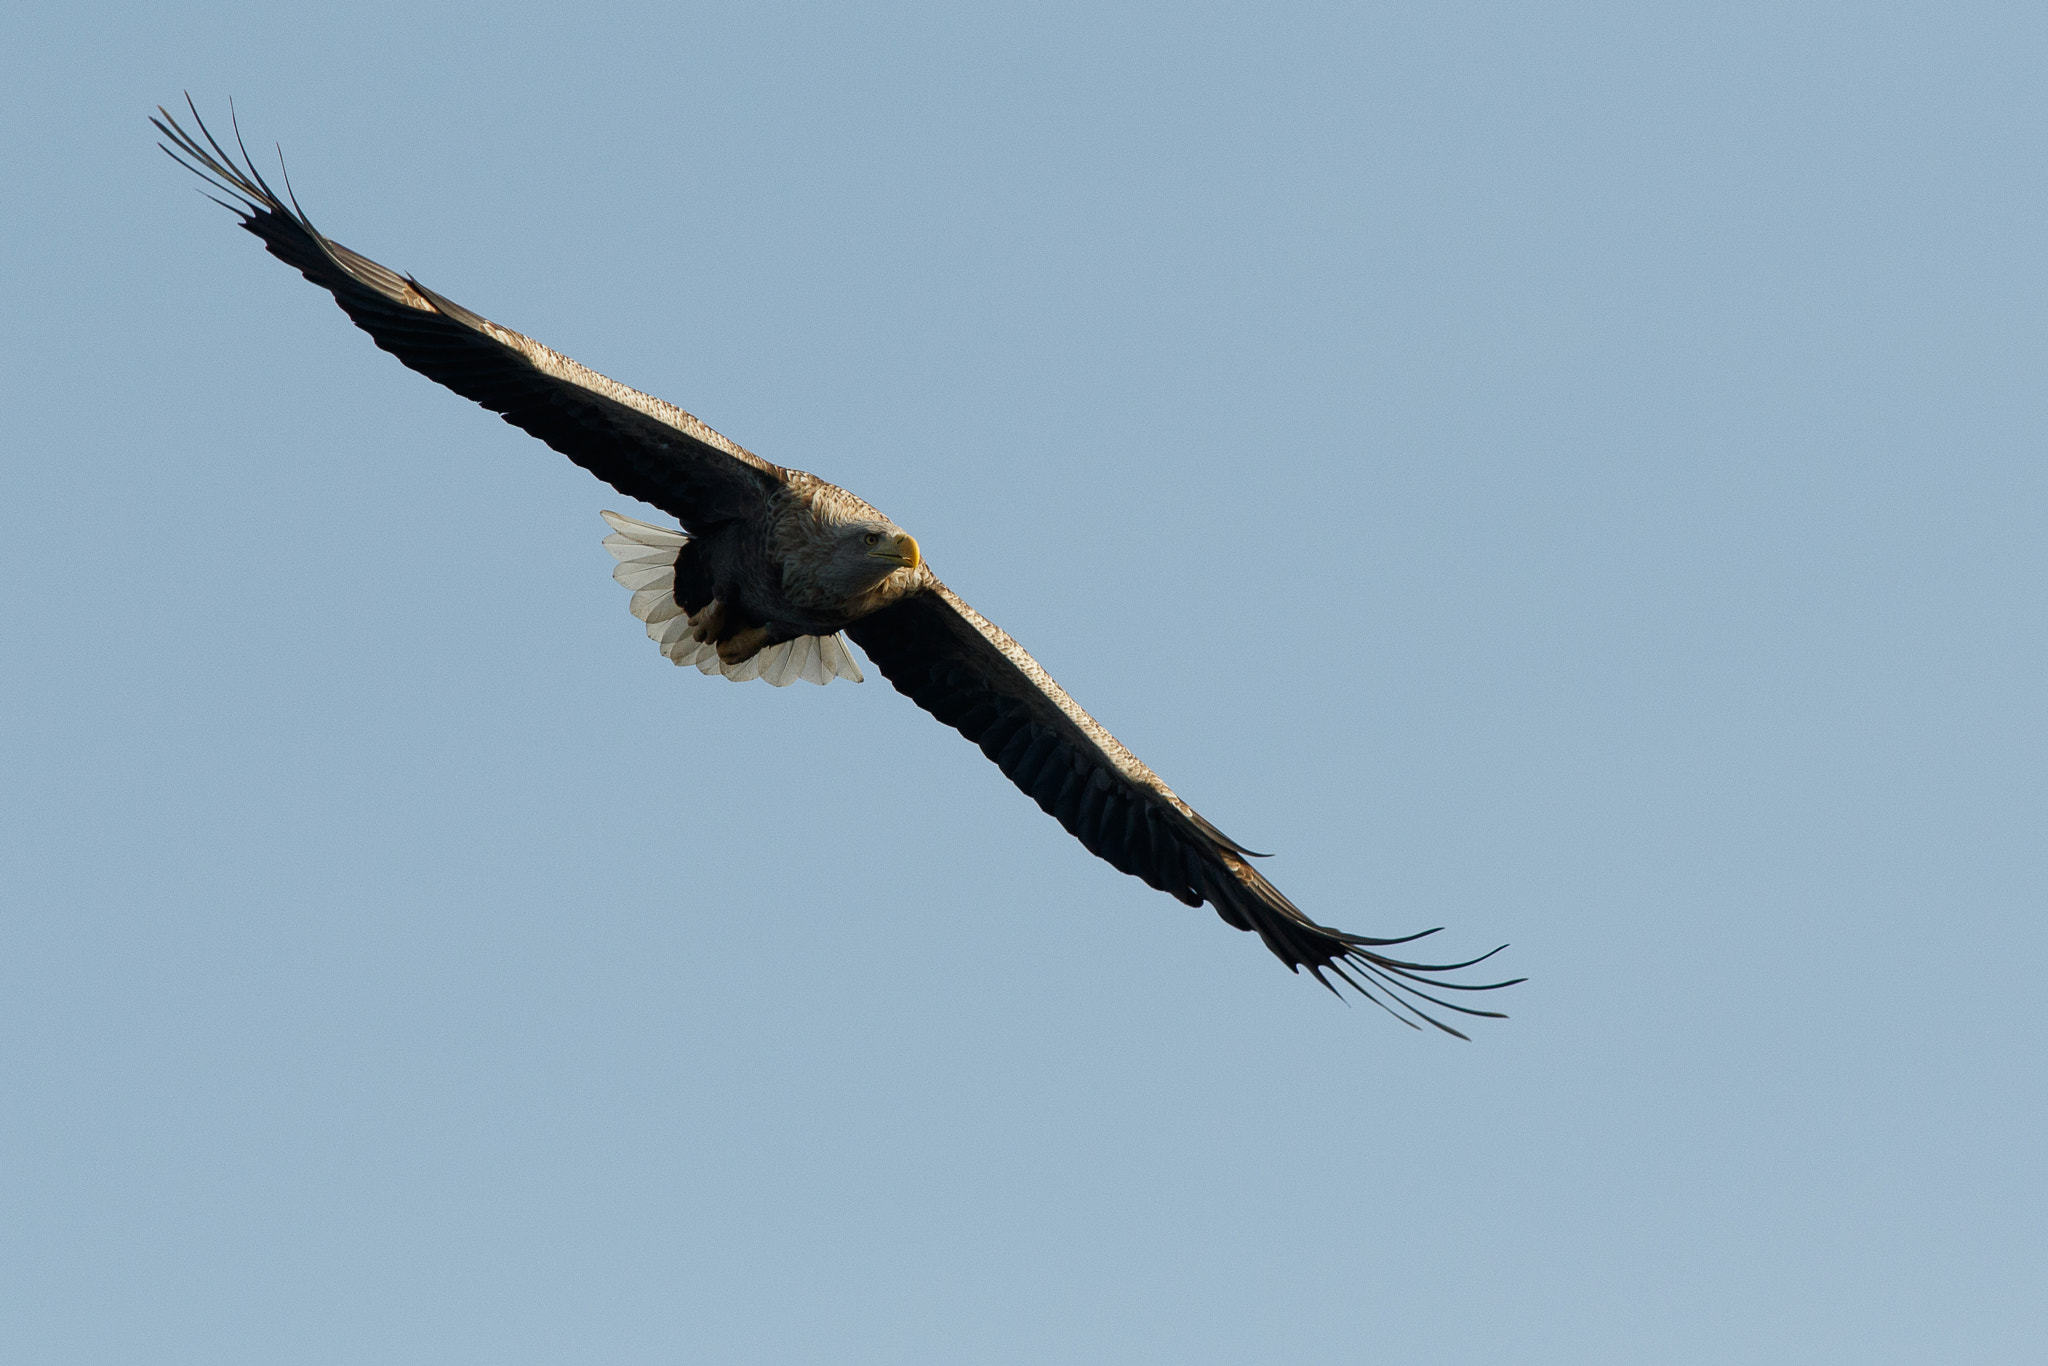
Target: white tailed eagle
771	566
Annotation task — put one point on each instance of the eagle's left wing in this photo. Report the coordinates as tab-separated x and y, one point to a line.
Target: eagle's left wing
969	673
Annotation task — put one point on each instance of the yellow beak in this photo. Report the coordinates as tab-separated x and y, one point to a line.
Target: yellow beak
903	552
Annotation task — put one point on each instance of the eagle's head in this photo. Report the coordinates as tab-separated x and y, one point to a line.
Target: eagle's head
867	551
837	548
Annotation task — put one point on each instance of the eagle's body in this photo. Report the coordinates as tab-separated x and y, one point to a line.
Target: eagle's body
772	565
782	572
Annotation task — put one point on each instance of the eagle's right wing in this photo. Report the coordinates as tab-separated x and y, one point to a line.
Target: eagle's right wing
969	673
641	446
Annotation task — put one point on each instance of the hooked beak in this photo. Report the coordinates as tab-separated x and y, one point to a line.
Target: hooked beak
899	550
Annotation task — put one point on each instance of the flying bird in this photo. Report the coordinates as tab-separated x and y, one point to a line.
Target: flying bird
772	569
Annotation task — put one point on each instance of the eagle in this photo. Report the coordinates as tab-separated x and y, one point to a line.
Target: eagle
772	570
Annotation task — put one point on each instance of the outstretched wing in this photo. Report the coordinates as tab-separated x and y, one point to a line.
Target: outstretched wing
641	446
968	672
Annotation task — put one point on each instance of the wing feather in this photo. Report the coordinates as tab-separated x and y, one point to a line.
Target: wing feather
969	673
640	445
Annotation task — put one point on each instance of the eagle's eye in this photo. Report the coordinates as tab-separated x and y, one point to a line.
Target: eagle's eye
872	538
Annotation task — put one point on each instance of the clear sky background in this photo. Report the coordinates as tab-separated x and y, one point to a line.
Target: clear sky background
1569	473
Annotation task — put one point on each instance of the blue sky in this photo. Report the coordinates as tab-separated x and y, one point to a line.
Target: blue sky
1568	473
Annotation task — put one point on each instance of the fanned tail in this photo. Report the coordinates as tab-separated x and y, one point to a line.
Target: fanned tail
647	564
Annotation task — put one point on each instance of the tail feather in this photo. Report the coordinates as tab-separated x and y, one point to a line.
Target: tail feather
646	556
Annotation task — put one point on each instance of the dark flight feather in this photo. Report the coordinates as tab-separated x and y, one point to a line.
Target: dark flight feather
667	458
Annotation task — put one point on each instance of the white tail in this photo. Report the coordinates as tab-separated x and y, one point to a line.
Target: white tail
647	565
